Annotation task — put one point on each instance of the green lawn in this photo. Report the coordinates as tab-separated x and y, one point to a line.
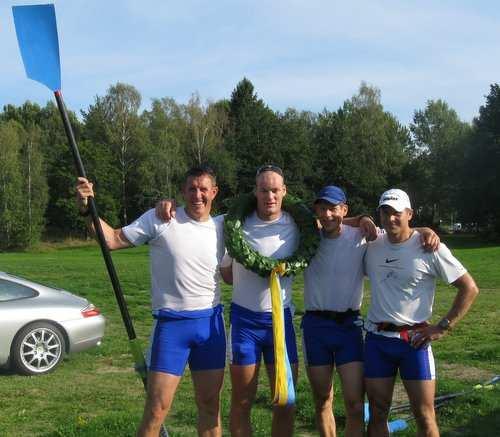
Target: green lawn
97	393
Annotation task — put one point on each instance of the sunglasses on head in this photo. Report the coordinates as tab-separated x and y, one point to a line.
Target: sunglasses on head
269	167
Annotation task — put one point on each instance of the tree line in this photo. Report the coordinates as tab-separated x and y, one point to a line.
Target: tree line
450	168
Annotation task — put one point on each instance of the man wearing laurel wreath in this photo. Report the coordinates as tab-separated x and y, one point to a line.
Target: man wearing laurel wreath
271	232
185	254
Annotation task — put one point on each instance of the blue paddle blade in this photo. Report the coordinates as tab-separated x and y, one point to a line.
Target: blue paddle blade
36	30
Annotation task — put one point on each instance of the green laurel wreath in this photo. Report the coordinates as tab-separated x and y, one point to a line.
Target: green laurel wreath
239	249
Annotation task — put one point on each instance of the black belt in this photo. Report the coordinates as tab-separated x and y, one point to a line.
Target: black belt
338	316
391	327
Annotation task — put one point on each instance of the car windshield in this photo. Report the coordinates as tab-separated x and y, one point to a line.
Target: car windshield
12	291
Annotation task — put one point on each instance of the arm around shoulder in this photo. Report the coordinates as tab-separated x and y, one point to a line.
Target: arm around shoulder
366	224
430	240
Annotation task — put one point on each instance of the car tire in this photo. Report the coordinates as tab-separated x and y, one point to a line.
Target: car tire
38	348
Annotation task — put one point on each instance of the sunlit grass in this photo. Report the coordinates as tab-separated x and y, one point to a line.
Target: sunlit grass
97	393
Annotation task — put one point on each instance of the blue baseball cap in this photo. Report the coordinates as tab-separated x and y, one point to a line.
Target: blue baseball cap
332	194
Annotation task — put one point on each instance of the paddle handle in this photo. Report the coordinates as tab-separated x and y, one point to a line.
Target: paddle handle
97	223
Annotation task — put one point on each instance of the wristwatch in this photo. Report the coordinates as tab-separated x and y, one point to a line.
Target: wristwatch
444	324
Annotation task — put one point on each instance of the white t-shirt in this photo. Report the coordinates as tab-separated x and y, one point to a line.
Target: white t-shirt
403	279
276	239
334	279
184	257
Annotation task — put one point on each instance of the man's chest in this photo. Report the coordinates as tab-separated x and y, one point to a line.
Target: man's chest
405	270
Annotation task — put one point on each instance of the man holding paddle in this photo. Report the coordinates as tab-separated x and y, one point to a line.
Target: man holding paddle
185	254
403	280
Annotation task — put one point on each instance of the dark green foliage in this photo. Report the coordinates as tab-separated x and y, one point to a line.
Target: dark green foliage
436	155
450	168
23	184
361	148
165	163
12	233
481	168
34	187
297	151
252	137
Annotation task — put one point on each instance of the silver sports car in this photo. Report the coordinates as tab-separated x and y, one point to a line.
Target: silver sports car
39	325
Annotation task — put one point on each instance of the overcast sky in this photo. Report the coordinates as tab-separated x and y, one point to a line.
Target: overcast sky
307	54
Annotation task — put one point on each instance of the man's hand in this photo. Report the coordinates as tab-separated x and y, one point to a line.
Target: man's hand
430	240
84	190
425	335
165	209
368	228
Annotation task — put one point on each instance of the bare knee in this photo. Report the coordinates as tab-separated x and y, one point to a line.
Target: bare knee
425	417
156	411
354	408
241	404
323	401
379	410
208	404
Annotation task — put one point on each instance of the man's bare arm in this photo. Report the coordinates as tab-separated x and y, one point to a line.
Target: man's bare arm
365	223
467	293
115	238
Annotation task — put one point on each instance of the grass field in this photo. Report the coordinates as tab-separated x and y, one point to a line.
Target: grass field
96	393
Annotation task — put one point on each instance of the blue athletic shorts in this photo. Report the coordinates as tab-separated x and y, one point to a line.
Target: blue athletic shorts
385	355
197	337
252	336
326	342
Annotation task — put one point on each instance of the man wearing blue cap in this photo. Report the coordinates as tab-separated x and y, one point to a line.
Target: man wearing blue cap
332	328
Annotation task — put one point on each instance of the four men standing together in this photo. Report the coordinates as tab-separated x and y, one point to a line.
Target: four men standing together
187	253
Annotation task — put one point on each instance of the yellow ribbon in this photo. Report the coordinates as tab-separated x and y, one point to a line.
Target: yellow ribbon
283	386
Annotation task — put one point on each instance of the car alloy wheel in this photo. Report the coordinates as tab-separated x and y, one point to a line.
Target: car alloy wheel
38	348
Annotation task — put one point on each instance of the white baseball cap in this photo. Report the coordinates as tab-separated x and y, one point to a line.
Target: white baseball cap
395	198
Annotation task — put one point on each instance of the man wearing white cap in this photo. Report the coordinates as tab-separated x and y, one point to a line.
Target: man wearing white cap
403	279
